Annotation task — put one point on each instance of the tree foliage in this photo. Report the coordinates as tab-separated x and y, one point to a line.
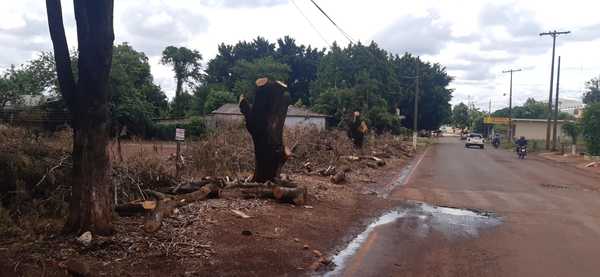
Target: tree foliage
573	130
135	99
592	95
460	116
34	77
186	64
590	123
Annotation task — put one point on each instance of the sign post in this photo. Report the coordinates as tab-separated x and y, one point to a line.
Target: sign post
179	137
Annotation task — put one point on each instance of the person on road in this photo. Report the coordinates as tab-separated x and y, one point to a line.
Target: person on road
521	142
496	139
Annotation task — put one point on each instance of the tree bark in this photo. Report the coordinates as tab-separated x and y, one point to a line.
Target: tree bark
87	100
295	196
166	206
265	119
357	130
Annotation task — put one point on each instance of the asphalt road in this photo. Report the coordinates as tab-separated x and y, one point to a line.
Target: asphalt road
536	218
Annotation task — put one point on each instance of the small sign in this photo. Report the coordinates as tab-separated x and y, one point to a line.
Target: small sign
179	134
496	120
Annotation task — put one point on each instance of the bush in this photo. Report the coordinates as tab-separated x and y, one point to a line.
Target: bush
195	129
590	123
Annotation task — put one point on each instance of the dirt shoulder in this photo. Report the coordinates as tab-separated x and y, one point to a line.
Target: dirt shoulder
208	239
577	161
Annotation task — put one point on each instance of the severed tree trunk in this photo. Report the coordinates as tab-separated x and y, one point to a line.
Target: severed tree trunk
357	130
265	119
87	100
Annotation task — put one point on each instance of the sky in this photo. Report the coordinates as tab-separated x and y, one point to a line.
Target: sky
476	40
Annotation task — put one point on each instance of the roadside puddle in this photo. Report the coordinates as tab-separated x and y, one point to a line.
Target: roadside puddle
453	223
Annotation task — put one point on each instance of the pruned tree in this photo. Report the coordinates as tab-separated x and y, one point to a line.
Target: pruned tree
87	100
357	129
265	119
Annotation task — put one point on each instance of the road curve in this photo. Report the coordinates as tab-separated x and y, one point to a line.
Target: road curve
550	216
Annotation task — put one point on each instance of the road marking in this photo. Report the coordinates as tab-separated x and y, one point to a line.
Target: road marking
415	167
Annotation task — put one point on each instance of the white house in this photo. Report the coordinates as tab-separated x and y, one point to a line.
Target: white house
536	128
295	116
571	106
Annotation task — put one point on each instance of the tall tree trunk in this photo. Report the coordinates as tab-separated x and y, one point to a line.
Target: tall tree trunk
87	99
265	119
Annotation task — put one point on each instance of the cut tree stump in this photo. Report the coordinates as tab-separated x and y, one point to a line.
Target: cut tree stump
338	177
295	196
265	119
166	206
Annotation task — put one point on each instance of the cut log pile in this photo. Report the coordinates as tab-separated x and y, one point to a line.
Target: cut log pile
165	201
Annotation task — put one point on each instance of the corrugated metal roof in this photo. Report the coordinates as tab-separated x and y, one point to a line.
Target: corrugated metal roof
293	111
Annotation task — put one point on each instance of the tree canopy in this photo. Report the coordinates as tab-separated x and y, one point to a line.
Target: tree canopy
592	95
340	81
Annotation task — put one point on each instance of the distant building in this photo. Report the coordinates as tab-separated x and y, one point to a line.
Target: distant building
27	101
536	128
571	106
295	117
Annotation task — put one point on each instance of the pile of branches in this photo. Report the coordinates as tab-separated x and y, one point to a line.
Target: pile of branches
226	151
34	170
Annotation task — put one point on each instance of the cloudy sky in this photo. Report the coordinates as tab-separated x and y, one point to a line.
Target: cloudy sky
475	39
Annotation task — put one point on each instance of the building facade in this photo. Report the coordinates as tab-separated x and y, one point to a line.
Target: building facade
295	117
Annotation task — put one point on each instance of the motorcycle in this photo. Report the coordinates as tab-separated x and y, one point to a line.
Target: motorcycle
522	152
496	143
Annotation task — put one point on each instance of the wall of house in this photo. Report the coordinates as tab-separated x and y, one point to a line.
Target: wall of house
290	122
535	130
318	122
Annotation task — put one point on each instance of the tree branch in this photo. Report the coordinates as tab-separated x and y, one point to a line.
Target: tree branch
62	58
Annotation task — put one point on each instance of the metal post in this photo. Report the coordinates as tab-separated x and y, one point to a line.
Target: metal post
416	109
554	131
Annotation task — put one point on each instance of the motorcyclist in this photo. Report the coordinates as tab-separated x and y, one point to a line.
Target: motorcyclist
521	142
496	139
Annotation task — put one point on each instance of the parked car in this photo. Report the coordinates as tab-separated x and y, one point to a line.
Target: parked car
475	140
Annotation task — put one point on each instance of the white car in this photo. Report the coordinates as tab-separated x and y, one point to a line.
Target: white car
475	140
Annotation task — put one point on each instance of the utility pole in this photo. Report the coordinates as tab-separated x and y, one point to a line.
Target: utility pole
510	129
554	34
416	109
554	131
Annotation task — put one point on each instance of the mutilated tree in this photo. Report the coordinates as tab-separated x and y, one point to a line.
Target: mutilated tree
87	101
265	119
357	129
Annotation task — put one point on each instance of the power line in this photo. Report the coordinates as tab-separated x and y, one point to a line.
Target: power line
333	22
310	22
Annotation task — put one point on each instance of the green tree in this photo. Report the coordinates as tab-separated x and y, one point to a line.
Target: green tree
216	98
460	116
135	99
186	64
572	129
590	123
35	77
592	95
247	72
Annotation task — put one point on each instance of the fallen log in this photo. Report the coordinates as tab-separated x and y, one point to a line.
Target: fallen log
166	206
135	208
130	209
295	196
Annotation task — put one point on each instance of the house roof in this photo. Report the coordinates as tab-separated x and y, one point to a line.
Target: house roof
293	111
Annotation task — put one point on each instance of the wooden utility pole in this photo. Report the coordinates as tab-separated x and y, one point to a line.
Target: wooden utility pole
554	131
416	109
554	34
510	133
